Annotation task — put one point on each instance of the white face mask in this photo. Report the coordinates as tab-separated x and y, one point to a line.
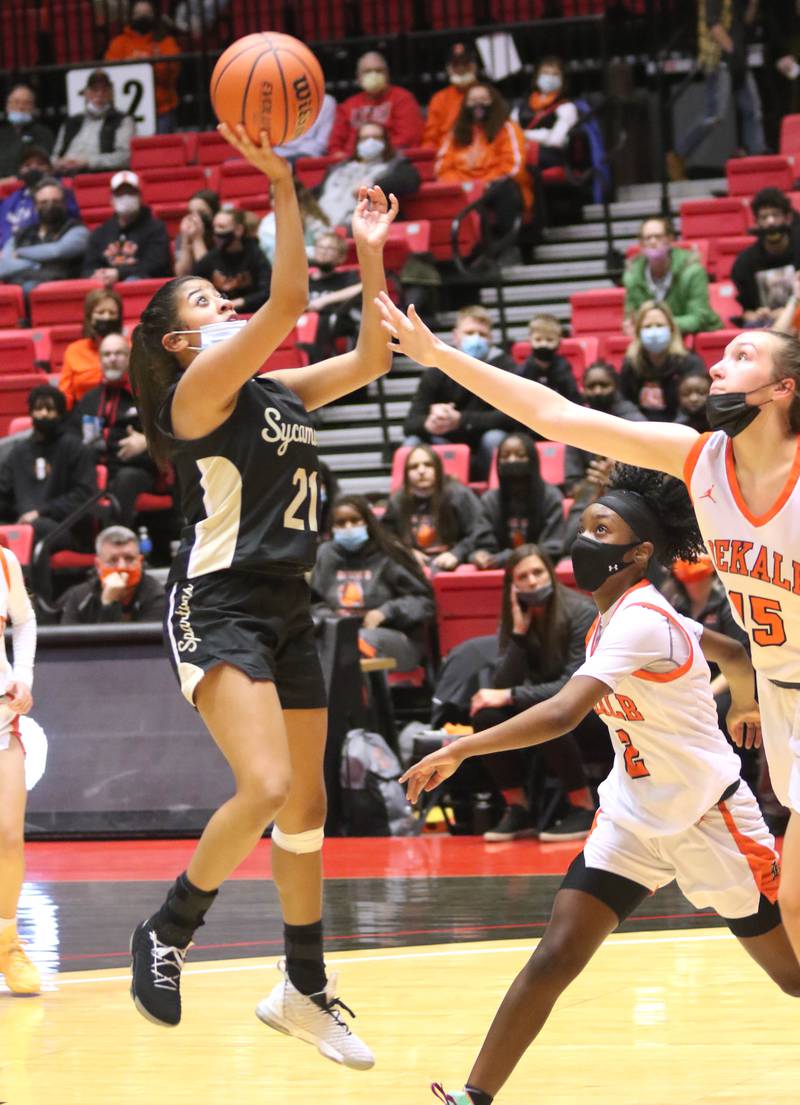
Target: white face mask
548	83
113	375
97	110
126	205
214	333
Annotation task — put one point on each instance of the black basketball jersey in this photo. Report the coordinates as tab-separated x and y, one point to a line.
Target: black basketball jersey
249	489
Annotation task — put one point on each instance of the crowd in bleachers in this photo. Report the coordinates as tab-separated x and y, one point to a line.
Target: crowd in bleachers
480	515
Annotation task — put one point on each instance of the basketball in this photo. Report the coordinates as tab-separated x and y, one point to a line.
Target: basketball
268	81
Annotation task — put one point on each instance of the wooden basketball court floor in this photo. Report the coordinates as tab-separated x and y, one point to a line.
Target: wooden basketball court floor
425	935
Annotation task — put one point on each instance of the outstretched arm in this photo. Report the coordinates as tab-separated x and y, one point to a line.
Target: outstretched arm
659	445
327	380
549	719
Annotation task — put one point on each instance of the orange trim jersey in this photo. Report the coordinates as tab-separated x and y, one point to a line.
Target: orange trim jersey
671	762
757	557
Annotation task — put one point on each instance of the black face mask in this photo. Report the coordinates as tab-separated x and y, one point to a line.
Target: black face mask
478	112
105	326
46	429
731	412
533	600
31	177
600	401
771	234
513	469
326	266
143	25
225	241
544	354
593	562
53	215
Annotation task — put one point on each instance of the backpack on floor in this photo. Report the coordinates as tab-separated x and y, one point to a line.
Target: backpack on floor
373	802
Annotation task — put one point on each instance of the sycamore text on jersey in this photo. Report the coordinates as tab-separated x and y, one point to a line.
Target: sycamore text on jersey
286	432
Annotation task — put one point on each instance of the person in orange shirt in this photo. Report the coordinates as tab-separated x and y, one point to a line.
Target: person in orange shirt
145	37
486	146
80	370
443	109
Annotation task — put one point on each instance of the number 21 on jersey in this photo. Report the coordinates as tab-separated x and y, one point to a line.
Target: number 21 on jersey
306	484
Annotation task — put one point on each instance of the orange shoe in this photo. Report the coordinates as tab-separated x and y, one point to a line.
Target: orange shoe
21	975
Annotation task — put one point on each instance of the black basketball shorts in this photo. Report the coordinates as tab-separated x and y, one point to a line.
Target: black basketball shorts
258	623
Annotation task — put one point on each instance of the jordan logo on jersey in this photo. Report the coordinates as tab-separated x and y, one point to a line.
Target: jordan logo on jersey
283	433
709	494
189	639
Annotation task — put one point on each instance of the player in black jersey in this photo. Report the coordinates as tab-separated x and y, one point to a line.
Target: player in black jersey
238	626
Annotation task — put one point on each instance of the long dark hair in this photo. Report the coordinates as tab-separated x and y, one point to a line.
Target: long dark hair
152	368
547	638
386	541
534	492
492	124
444	516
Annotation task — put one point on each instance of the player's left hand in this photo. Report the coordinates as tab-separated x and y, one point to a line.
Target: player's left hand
18	697
409	333
432	770
744	725
373	216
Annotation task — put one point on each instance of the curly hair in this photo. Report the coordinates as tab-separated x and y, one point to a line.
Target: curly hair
669	502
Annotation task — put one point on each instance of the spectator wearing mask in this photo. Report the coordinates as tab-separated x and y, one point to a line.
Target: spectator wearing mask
21	129
444	106
545	365
18	210
99	140
541	644
600	391
145	36
196	233
108	420
334	296
314	143
119	590
692	394
52	248
80	370
236	266
666	274
365	572
522	509
764	272
46	476
132	244
548	116
392	107
443	412
315	222
374	162
655	363
487	147
433	515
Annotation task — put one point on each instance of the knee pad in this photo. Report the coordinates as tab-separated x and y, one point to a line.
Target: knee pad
299	844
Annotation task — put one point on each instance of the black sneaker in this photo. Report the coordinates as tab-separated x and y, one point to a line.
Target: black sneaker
156	976
575	825
513	825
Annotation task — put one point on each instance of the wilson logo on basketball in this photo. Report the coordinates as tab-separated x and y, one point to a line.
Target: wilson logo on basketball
265	104
303	104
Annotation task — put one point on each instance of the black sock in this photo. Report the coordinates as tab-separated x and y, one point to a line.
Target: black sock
182	912
304	963
478	1096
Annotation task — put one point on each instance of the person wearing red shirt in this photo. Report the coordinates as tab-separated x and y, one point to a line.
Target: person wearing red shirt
379	102
443	109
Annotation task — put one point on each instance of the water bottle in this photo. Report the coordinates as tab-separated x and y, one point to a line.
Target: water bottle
482	819
145	544
41	468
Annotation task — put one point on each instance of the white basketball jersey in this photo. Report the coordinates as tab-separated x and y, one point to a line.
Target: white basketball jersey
671	762
757	558
15	606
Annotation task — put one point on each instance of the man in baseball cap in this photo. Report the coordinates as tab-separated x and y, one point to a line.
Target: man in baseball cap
98	139
132	244
462	70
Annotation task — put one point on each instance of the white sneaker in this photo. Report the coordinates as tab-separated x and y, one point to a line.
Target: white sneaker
291	1012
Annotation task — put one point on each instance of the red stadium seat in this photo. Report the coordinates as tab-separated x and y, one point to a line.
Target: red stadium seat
722	297
17	352
19	424
713	218
171	215
440	204
136	294
423	159
158	151
60	338
59	301
613	348
790	135
747	175
243	184
172	185
404	239
12	305
598	311
724	253
285	358
92	190
96	216
18	538
14	391
455	461
711	345
212	149
160	498
311	171
467	605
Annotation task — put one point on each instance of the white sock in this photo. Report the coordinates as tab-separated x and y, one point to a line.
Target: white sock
5	922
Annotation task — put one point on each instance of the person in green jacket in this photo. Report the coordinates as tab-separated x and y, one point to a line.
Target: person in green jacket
663	273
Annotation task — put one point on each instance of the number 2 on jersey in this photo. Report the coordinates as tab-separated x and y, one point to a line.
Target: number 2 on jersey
634	764
306	489
765	616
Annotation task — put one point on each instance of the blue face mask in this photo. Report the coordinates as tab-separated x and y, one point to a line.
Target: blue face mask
350	538
548	82
19	118
655	339
475	345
